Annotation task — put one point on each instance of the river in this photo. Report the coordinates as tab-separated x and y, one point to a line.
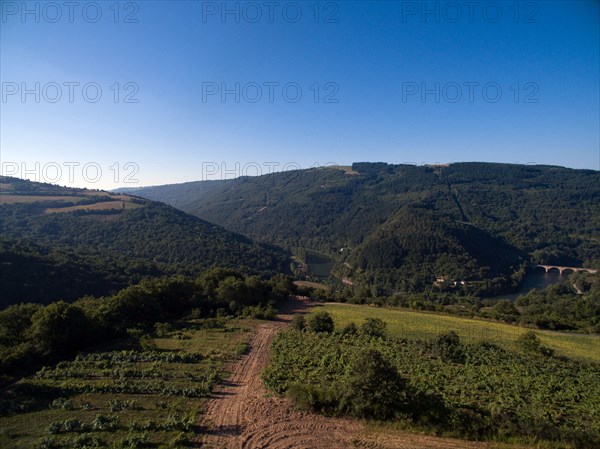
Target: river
536	279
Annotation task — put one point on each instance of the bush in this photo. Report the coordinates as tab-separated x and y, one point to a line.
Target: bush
350	329
134	441
320	322
86	441
529	342
242	348
447	347
72	425
147	343
163	329
46	443
374	389
181	439
316	398
374	327
116	405
54	427
105	423
59	328
298	322
62	404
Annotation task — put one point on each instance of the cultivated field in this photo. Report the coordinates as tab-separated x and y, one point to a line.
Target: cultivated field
101	205
309	284
410	324
15	199
123	398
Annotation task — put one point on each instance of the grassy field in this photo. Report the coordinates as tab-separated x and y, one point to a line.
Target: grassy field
120	398
14	199
102	205
347	169
309	284
410	324
443	386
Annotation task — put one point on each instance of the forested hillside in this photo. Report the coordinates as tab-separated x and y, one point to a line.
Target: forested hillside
400	227
60	243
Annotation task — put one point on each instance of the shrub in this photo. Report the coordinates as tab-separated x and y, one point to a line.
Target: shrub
298	322
163	329
350	329
147	343
324	399
374	327
531	343
134	441
181	439
179	422
86	441
242	348
447	347
105	423
374	389
72	425
320	322
46	443
62	404
54	427
115	405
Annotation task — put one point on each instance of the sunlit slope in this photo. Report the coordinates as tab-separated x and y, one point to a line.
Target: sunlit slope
93	238
409	324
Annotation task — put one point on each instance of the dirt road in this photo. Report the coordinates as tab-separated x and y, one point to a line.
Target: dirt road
242	414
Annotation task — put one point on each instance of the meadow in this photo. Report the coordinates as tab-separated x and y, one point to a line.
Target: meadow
441	375
124	397
410	324
16	199
100	206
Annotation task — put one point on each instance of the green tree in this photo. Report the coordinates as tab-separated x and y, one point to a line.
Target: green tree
505	310
60	328
233	292
320	322
374	388
14	322
447	347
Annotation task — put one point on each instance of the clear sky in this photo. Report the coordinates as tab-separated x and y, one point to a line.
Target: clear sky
186	90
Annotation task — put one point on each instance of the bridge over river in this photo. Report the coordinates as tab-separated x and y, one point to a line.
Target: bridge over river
562	270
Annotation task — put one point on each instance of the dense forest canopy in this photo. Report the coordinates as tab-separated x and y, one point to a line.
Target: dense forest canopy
61	243
400	227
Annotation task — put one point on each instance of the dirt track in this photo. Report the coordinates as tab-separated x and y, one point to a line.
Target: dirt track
243	415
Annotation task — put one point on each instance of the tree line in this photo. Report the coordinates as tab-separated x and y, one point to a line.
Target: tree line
31	334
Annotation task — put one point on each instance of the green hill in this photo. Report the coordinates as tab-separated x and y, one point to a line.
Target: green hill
61	243
399	227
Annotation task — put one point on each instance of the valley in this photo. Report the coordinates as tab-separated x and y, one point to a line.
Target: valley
396	228
262	312
300	225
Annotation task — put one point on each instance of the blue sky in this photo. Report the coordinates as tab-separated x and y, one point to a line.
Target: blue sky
419	82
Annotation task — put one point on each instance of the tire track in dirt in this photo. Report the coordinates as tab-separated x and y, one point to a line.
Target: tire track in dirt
242	415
